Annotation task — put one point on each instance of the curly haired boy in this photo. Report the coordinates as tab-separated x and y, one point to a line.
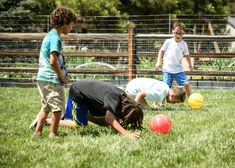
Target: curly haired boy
52	73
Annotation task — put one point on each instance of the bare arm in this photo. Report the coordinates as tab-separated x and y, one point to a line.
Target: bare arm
189	63
111	120
159	59
140	96
54	64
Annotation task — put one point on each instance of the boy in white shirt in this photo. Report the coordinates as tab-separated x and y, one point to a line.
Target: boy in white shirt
154	90
172	53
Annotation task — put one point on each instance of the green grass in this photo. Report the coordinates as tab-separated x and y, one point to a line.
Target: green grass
199	138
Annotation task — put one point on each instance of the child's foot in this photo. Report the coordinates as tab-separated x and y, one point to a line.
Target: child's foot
37	134
162	106
53	136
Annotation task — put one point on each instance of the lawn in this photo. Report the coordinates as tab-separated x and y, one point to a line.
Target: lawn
199	138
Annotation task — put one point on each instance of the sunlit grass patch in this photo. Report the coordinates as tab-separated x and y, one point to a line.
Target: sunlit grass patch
203	137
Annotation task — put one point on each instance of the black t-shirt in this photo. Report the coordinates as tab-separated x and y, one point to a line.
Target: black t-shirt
98	95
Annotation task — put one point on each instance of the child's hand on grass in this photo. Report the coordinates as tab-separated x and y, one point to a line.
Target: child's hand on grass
133	135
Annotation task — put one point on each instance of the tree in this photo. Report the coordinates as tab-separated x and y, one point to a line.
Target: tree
202	6
25	7
231	7
19	15
92	7
150	7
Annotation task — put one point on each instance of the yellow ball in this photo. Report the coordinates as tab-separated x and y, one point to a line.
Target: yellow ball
195	100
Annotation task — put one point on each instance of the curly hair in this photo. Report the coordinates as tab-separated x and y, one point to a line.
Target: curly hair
62	16
131	113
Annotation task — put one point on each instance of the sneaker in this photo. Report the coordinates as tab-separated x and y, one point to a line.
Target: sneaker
162	106
34	123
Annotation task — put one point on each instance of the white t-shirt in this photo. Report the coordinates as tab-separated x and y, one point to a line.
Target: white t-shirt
173	54
155	90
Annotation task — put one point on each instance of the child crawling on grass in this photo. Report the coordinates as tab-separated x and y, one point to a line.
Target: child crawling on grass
103	104
143	89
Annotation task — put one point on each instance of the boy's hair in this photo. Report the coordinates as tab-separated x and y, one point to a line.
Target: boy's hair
179	93
180	25
62	16
131	113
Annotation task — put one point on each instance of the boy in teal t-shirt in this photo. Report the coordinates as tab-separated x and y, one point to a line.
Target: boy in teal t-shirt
52	72
51	43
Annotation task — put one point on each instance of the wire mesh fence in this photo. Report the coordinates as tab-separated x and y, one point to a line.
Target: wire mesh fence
160	24
98	47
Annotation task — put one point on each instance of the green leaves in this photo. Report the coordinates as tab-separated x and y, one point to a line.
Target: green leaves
118	7
92	7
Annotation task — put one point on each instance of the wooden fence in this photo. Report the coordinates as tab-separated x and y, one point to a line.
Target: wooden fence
132	54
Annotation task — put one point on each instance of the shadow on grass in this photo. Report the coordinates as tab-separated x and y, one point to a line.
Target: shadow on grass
94	131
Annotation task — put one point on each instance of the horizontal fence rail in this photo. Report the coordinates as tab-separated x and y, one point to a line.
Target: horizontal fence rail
115	36
68	54
131	54
188	37
110	54
119	71
71	36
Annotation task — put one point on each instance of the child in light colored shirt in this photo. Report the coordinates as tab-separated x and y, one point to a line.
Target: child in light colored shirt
154	90
172	53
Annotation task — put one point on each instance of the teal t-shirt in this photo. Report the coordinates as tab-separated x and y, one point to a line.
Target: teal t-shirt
51	43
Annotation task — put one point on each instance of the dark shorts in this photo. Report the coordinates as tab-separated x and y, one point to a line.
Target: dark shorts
79	114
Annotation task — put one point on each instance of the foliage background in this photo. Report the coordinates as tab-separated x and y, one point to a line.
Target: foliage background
119	7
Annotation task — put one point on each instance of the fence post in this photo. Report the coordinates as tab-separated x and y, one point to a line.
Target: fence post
131	52
48	23
169	22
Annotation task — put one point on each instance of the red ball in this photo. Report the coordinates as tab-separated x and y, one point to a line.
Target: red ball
160	123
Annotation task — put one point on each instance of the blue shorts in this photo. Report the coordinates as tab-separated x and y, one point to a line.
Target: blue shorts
79	115
180	78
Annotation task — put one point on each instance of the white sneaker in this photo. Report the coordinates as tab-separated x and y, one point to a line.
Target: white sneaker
34	123
162	106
